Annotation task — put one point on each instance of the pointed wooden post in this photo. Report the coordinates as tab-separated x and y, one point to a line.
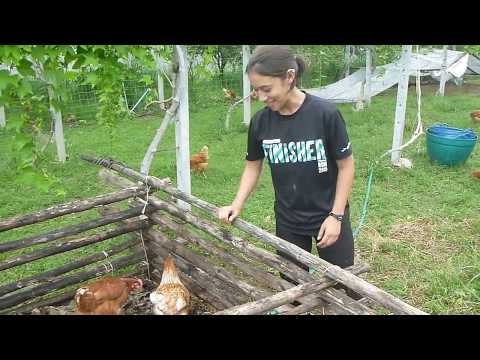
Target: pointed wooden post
348	59
368	76
443	76
402	94
247	109
57	118
2	117
160	85
182	135
161	93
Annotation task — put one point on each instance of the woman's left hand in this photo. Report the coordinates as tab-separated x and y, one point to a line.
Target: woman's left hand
329	232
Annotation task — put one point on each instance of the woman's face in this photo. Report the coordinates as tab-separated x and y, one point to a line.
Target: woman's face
273	91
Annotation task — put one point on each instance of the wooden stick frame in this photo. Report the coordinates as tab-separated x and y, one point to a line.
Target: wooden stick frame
320	266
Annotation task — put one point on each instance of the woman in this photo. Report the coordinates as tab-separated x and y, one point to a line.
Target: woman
306	143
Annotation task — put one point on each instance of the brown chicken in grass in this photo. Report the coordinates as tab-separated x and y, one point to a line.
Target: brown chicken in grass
475	116
171	297
199	162
476	174
106	296
229	94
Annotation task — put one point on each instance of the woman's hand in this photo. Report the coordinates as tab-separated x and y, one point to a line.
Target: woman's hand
329	232
229	213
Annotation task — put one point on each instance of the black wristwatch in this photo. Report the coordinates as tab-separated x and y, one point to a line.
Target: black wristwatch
336	216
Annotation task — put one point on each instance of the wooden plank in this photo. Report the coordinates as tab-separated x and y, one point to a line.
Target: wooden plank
271	302
71	230
70	245
51	274
69	208
287	296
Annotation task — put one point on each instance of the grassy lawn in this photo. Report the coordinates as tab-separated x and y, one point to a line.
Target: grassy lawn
421	235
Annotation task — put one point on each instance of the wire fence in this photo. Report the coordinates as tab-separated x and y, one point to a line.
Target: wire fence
206	81
325	65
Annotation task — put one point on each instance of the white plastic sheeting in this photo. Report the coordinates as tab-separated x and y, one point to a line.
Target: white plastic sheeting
351	88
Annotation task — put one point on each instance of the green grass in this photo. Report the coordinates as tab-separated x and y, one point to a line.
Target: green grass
421	233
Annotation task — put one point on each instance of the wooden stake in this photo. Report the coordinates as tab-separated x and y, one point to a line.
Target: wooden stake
70	245
70	208
71	230
51	274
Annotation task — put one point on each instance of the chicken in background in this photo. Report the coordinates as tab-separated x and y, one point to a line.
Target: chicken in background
476	174
475	115
106	296
199	162
171	297
254	95
229	94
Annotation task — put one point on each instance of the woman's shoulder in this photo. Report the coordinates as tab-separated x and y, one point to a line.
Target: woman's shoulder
260	114
322	105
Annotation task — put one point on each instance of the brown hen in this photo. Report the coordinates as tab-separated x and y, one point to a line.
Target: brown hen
105	296
171	297
229	94
475	115
199	162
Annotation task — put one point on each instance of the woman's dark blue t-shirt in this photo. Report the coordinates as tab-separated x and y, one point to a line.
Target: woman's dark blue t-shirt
301	149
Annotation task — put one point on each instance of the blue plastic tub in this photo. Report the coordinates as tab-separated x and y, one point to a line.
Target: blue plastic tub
448	145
